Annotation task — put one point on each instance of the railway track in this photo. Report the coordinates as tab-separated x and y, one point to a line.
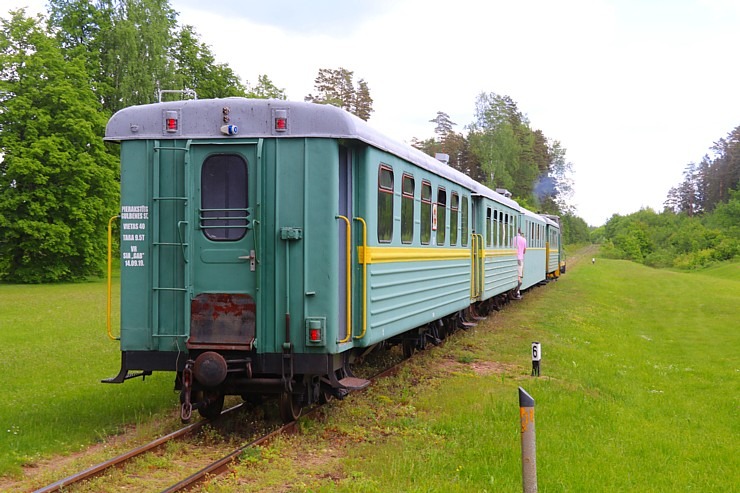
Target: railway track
215	468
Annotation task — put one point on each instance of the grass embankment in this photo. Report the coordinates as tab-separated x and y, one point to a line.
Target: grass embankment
54	350
639	393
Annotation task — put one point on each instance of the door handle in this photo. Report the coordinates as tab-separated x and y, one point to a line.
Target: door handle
252	257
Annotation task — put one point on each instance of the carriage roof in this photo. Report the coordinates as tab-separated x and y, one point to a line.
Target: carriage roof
203	119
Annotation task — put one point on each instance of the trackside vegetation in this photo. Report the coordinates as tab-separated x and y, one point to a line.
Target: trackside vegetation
668	239
53	353
639	392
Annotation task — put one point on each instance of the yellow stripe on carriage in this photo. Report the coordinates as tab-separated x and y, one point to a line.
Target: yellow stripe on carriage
381	254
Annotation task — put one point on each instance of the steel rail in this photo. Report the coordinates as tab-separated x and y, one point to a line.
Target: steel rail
221	465
117	461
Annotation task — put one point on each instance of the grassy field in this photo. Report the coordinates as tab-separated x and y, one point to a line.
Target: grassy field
640	391
54	351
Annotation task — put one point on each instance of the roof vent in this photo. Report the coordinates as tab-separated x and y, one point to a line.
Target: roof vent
504	192
442	158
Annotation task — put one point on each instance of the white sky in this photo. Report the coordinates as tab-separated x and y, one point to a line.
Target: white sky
633	89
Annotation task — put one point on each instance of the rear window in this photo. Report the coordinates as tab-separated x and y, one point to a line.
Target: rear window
223	213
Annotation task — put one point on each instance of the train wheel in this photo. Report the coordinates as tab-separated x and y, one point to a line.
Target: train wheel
214	405
408	346
290	406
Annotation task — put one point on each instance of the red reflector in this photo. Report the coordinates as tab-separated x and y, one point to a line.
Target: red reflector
172	124
314	335
281	124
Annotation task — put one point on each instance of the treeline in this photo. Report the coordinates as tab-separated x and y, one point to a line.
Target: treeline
501	150
711	181
61	77
700	222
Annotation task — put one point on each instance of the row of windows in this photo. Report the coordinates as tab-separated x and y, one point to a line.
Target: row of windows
501	228
433	212
535	234
501	225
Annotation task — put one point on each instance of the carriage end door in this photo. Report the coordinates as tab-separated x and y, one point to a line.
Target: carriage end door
223	259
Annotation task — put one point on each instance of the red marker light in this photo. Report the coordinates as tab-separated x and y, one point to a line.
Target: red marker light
170	121
314	335
281	120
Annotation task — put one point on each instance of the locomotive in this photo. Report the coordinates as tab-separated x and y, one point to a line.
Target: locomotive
267	244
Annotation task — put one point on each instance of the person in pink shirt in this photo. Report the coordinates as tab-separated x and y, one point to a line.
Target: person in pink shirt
521	249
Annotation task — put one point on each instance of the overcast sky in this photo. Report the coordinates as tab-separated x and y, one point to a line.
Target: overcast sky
633	89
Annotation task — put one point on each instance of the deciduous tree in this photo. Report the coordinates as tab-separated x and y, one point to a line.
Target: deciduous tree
57	182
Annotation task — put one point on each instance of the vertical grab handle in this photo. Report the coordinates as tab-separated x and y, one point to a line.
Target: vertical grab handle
348	255
363	260
110	275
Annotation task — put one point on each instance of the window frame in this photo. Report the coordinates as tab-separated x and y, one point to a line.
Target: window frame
213	204
382	226
407	201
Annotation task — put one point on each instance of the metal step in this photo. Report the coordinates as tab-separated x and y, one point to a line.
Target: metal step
354	383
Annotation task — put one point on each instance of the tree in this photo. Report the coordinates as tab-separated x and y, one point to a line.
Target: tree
336	87
266	89
363	102
134	48
443	124
57	182
509	151
196	68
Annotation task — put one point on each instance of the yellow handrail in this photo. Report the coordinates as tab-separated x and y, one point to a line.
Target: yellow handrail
348	255
363	261
110	275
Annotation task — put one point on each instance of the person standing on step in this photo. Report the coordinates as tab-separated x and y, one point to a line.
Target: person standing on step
521	249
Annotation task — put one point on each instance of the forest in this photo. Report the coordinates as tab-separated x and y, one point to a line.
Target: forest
700	221
63	74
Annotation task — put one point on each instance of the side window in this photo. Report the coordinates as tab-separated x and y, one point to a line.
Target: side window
407	209
454	207
505	240
385	204
223	197
465	221
441	215
488	226
512	230
426	212
495	228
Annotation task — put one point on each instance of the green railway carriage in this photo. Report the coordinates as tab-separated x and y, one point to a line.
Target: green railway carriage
266	243
555	255
536	258
497	218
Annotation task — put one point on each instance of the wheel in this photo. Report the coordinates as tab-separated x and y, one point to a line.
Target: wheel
290	407
408	346
214	405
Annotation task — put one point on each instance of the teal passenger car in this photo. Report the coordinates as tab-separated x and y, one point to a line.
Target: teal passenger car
266	243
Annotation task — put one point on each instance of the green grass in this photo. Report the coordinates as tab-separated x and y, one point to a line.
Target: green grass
639	393
54	350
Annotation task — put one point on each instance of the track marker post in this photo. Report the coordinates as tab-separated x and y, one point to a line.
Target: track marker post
536	358
529	454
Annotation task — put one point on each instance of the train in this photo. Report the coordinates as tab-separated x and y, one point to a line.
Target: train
267	245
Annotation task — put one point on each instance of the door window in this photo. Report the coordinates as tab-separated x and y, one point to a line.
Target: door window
223	213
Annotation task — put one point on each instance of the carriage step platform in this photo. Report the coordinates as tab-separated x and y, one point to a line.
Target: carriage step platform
354	383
